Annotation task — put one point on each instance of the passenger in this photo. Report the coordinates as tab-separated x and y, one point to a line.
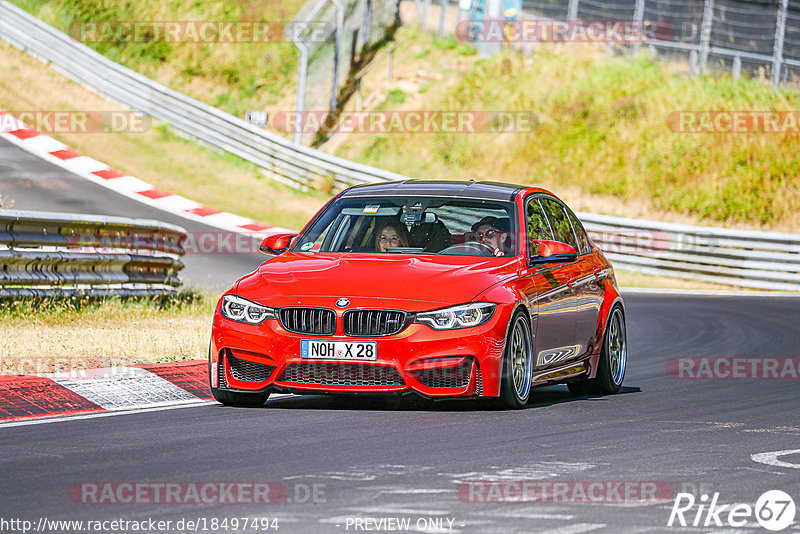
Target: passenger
391	234
494	232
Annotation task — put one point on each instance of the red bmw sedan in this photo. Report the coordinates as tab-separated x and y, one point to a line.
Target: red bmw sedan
439	288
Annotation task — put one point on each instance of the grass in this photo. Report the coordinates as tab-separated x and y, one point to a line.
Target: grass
69	334
57	335
630	279
157	155
236	77
602	133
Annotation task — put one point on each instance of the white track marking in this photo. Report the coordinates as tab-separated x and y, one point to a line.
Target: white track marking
172	406
708	292
574	529
771	458
68	418
127	387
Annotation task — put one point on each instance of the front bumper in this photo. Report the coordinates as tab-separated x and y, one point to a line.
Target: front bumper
448	363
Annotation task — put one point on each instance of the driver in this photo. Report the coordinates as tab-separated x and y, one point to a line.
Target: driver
391	234
493	232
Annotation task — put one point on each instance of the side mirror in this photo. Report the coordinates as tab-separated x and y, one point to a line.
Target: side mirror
276	244
542	251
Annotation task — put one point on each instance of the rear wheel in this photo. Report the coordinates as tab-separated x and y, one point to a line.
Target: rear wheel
515	384
613	359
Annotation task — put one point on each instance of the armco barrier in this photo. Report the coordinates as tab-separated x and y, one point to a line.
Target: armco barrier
765	260
51	254
280	158
749	259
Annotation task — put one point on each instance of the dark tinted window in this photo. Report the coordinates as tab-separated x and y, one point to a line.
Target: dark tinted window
413	225
559	222
538	228
579	233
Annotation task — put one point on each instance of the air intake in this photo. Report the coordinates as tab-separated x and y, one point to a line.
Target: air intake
316	321
372	323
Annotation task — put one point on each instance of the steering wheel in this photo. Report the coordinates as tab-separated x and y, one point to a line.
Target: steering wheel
472	248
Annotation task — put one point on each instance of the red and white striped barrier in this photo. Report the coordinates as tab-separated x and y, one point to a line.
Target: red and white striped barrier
98	172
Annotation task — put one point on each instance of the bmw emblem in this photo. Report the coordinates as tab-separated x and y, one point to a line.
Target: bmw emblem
342	303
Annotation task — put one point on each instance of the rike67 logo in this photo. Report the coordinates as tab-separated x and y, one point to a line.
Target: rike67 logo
774	510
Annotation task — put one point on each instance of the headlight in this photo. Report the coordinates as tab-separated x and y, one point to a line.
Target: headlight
462	316
243	311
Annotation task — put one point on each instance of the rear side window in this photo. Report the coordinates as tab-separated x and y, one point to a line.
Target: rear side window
559	222
580	233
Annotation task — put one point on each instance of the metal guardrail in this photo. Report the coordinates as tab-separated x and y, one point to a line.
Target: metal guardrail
749	259
764	260
285	161
51	254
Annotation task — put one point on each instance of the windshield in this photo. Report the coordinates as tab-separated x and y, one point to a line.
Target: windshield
413	225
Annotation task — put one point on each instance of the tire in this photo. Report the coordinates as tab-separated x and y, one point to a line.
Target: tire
613	359
235	398
515	382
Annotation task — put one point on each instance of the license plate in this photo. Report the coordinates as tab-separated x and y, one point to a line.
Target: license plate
339	350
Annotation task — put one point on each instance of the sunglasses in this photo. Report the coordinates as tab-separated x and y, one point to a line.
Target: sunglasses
488	234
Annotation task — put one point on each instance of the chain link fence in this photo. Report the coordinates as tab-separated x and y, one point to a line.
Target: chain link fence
757	37
333	36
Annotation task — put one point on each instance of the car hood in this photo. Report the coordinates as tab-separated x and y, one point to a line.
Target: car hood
373	279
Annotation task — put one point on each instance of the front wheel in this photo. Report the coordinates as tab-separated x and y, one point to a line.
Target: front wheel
515	385
613	359
235	398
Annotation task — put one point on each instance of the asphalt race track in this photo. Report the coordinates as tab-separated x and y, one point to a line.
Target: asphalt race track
35	184
340	459
406	457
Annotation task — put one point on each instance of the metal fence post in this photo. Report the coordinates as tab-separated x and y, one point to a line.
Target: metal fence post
366	24
736	71
572	10
638	17
705	33
302	75
442	12
780	31
425	10
337	50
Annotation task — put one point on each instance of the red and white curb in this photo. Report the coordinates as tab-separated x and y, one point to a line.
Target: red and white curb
58	153
24	397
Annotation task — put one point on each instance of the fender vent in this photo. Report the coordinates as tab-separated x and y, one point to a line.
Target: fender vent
447	377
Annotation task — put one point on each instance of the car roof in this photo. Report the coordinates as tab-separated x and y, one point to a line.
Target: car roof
449	188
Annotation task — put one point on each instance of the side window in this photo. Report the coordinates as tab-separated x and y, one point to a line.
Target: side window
538	227
559	222
580	233
537	222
